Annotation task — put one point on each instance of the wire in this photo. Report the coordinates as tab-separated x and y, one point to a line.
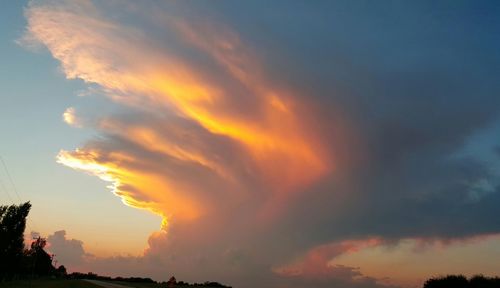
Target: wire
6	191
16	192
10	179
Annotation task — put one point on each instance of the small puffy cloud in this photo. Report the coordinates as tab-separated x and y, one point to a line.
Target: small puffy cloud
70	117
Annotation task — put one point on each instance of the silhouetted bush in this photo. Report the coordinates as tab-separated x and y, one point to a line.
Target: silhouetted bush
134	279
460	281
61	271
479	281
455	281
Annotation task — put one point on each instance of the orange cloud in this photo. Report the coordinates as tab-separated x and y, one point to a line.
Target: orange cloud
136	188
276	146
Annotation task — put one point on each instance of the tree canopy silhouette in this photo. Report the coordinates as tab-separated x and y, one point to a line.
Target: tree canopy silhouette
15	260
12	225
40	262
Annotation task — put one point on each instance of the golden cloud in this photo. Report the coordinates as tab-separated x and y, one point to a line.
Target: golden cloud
240	108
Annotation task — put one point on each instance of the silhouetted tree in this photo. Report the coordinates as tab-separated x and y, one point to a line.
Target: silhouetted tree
459	281
12	225
455	281
171	282
41	260
479	281
61	271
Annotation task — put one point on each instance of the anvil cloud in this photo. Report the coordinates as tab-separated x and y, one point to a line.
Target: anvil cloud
273	152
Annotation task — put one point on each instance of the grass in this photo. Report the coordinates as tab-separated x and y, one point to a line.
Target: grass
48	283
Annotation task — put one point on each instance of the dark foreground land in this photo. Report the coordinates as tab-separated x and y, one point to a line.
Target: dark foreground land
73	283
48	283
154	285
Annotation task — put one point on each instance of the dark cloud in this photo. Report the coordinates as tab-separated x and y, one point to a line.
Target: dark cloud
413	94
496	149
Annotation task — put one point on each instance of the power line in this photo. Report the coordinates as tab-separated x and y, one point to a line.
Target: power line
10	179
6	191
4	188
15	191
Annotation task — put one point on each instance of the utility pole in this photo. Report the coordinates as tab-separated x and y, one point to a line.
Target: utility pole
34	260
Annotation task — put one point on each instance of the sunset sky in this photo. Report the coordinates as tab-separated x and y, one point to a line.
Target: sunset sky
256	143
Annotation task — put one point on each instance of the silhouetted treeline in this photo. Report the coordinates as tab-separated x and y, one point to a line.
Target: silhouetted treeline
16	262
207	284
460	281
93	276
134	279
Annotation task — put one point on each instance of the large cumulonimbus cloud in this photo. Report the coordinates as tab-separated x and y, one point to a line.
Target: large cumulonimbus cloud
272	158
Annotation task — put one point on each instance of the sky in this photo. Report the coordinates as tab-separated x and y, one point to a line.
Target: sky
283	144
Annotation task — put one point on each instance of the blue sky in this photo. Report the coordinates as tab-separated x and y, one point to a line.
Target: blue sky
34	95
